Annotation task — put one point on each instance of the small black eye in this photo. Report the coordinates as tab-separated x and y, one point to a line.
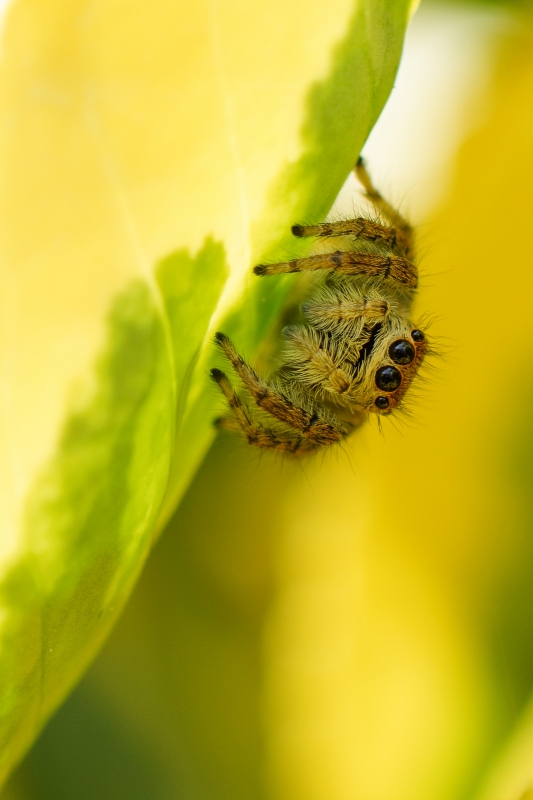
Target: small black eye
382	402
417	335
402	352
388	378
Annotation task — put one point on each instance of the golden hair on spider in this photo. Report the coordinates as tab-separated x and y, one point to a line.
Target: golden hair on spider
357	352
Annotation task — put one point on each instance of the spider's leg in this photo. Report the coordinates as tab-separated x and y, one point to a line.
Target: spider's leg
311	424
360	228
391	214
374	265
255	432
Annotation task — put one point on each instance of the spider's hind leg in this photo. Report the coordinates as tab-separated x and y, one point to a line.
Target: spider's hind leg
391	214
397	233
347	262
367	230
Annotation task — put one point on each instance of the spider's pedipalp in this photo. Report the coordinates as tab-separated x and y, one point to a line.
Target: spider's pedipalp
316	361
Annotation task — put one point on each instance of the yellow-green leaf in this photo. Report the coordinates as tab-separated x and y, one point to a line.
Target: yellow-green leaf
149	154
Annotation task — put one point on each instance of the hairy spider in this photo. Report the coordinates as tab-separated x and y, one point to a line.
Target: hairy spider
357	352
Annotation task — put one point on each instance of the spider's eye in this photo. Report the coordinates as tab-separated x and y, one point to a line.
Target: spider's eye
382	402
402	352
388	378
417	335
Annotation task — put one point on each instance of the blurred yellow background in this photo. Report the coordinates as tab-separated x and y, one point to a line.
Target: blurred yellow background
358	626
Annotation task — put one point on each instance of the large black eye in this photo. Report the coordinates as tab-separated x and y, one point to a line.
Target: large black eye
417	335
382	402
388	378
402	352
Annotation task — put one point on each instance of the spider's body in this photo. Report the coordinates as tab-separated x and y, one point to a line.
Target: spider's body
357	352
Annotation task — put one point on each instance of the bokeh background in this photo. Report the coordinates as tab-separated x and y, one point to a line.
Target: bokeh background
358	626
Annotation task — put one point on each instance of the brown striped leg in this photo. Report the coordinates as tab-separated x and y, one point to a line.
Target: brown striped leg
389	212
256	433
348	263
360	228
310	424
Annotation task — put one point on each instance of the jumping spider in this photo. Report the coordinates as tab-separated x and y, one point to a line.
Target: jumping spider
358	352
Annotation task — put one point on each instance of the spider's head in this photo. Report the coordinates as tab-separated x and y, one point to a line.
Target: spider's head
395	360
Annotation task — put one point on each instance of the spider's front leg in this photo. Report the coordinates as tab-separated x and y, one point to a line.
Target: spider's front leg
255	432
310	424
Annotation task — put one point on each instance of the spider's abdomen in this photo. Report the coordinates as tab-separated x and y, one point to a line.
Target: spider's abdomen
344	309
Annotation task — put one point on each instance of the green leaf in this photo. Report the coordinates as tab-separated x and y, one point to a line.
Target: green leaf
511	774
151	153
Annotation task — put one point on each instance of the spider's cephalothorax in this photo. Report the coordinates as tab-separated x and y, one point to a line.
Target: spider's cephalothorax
356	353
